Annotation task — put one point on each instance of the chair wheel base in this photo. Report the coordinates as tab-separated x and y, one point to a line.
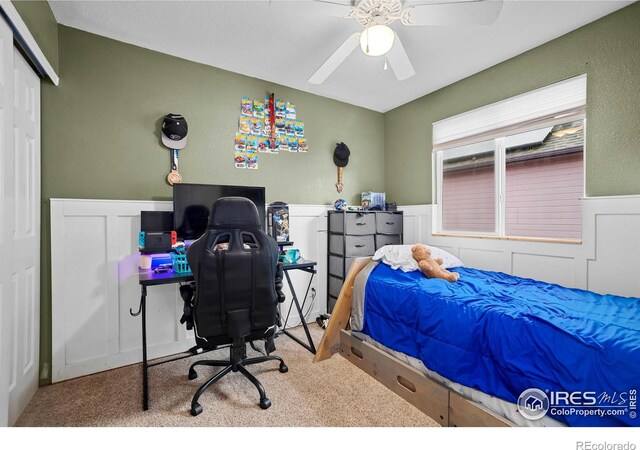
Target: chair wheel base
265	403
193	374
196	409
283	368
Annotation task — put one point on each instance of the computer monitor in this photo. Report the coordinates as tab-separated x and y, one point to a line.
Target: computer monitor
192	205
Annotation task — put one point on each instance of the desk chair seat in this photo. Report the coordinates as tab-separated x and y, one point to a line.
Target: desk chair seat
237	288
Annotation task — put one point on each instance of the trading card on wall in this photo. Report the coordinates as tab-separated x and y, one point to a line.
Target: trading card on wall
241	141
240	159
284	144
258	109
293	144
302	145
266	131
256	127
252	142
267	110
298	127
280	124
263	144
291	111
244	125
246	107
276	146
281	109
288	128
252	159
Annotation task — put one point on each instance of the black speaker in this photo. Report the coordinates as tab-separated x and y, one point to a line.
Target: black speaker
278	221
156	221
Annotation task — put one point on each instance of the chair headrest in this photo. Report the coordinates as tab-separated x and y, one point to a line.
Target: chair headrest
234	212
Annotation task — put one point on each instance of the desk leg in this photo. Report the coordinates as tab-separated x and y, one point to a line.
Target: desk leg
145	365
309	346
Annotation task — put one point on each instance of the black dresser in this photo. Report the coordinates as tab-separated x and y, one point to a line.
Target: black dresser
353	234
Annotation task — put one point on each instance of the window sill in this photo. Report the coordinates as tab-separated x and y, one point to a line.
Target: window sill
510	238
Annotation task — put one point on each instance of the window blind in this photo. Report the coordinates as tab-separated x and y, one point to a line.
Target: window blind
539	107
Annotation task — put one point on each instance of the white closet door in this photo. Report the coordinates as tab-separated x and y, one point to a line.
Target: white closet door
7	188
20	230
25	338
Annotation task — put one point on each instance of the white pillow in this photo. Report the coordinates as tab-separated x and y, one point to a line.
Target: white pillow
399	257
448	260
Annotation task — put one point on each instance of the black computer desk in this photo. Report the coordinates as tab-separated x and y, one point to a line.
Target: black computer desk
306	266
150	277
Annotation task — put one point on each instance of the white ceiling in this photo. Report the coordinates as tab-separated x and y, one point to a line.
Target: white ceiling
280	41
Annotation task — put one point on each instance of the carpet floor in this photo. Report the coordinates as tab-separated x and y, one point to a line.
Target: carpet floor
333	393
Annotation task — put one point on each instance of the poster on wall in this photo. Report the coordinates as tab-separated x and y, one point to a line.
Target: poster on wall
267	126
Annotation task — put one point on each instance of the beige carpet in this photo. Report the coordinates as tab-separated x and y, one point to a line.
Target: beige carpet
332	393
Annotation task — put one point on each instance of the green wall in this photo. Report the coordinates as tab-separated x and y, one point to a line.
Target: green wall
101	135
39	18
607	50
102	129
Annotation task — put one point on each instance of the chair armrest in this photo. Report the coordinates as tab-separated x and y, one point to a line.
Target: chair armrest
279	275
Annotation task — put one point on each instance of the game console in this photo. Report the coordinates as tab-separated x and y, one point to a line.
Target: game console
156	242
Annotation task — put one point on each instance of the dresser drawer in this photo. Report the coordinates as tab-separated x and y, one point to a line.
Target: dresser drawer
335	265
339	266
352	223
353	245
335	284
389	223
387	239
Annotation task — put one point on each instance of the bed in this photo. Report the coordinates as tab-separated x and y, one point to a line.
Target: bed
463	352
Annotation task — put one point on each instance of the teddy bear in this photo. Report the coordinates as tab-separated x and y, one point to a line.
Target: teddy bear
431	267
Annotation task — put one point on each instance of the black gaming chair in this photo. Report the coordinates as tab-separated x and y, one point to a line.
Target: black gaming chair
238	284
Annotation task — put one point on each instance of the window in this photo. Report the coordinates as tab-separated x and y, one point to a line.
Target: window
523	179
468	188
544	183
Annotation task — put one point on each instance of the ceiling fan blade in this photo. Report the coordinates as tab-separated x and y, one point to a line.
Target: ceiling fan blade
399	60
326	8
336	59
483	12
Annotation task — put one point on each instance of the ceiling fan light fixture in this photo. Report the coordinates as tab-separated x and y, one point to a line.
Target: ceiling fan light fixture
376	40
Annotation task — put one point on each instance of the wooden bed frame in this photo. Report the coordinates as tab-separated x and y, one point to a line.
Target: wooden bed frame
443	405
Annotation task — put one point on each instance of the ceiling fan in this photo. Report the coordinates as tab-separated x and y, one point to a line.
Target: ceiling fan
378	39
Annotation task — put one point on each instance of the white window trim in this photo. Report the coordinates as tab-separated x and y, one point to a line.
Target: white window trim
564	100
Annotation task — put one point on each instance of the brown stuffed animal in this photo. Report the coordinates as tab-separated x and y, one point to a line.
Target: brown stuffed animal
431	267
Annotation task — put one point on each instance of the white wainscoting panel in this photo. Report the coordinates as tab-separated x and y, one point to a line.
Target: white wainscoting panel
307	225
616	222
606	261
553	269
481	258
94	271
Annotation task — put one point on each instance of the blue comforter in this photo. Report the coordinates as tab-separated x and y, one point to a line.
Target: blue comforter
503	334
